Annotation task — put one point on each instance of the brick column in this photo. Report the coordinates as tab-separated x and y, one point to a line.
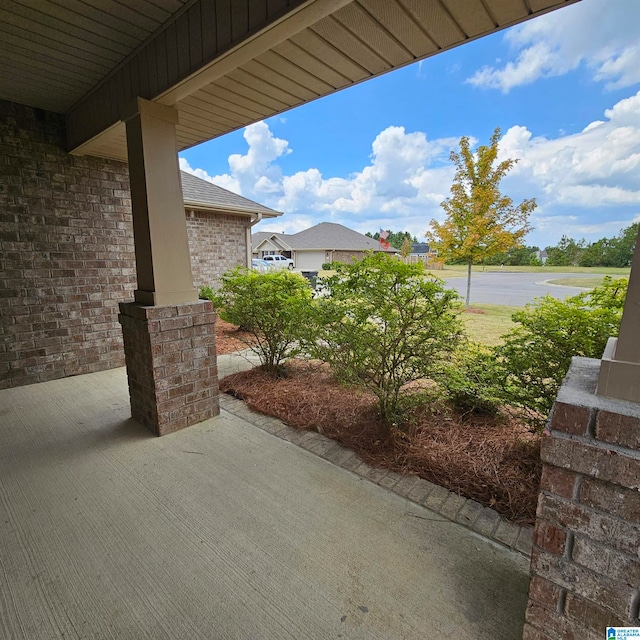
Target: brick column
585	566
171	364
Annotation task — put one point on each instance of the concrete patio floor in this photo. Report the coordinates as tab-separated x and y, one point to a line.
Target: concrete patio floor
220	531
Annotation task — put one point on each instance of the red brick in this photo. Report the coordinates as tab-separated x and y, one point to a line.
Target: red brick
607	561
590	615
175	323
531	633
590	460
618	429
569	418
558	481
159	313
181	392
600	527
69	251
217	243
51	260
612	498
190	332
609	593
554	626
204	318
549	537
545	593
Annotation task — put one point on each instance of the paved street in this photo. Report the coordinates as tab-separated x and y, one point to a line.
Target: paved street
513	288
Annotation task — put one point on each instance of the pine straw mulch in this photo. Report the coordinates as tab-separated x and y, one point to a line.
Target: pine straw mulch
494	461
229	338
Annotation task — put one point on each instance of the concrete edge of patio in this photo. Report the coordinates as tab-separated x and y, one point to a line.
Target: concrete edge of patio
450	505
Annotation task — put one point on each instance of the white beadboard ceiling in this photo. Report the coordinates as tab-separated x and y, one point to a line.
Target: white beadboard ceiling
56	52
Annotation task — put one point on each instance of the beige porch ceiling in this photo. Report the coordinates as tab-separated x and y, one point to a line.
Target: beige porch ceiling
222	64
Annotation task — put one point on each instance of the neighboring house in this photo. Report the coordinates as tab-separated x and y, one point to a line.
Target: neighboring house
309	249
420	249
542	256
219	228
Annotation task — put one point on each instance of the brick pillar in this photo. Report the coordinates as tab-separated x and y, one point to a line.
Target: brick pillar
585	566
171	364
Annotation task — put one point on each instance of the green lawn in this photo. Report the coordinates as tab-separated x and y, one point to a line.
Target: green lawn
584	283
493	321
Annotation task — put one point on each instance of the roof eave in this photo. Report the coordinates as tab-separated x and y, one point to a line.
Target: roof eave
201	206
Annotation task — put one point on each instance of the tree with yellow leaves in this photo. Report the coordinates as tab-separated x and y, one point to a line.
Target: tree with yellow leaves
405	249
480	221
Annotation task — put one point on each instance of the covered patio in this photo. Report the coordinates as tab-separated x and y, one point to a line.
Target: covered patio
220	531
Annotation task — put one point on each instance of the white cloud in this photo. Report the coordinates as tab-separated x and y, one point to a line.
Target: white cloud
586	183
600	34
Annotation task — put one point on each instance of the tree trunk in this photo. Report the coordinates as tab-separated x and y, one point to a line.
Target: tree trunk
468	286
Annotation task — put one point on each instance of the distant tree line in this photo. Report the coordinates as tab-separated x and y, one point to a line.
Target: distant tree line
606	252
395	238
516	256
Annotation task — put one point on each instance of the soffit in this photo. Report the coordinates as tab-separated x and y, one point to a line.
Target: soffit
61	50
54	52
359	41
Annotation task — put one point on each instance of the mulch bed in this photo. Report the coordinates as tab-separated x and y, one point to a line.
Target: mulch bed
492	460
229	338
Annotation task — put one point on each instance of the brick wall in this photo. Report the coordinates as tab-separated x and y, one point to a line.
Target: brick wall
347	256
217	243
66	252
171	364
67	255
586	559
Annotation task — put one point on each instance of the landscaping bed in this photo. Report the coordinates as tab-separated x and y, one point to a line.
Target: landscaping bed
229	338
493	460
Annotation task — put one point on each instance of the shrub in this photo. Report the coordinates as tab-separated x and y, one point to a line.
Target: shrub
382	325
472	380
207	293
331	266
537	354
271	306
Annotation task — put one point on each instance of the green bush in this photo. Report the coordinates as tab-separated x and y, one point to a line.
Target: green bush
332	266
383	324
272	307
472	380
537	354
207	293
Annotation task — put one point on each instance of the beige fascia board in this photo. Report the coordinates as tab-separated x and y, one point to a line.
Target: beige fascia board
210	208
298	19
326	248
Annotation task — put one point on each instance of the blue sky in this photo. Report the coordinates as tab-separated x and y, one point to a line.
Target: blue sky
564	89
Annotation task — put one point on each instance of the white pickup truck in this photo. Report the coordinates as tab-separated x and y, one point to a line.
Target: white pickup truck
279	262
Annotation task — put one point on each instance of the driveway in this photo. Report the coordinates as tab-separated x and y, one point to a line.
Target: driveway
513	288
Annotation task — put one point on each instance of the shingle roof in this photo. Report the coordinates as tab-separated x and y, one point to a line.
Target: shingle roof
197	191
259	236
326	235
420	247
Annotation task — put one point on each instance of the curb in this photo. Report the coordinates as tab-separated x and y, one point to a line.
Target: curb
470	514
